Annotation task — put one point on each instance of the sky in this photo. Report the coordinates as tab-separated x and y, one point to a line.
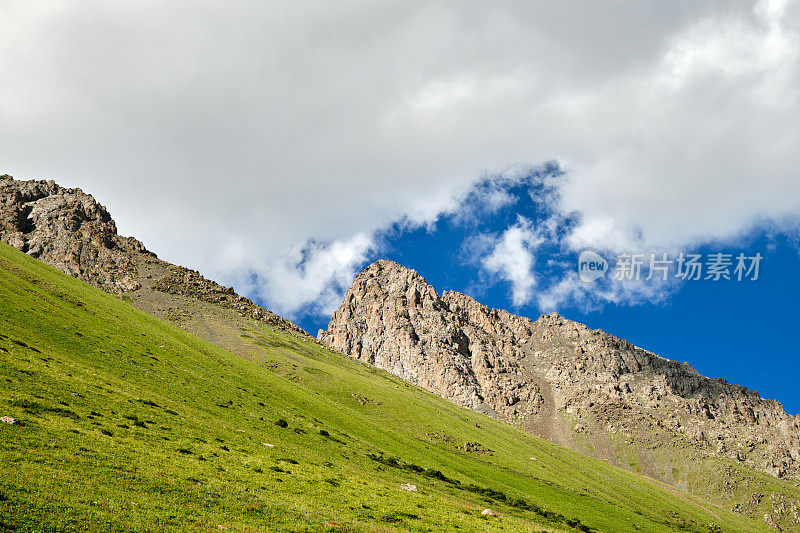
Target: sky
280	147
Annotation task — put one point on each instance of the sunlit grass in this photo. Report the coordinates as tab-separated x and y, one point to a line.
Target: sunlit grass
133	424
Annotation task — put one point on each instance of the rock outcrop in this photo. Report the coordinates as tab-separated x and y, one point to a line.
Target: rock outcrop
557	378
69	230
453	346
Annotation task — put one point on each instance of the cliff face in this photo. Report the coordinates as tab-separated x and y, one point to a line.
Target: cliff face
69	230
560	379
453	346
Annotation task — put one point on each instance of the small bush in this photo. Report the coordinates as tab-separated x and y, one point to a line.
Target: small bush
281	423
397	516
184	451
35	408
66	413
135	420
106	433
436	474
324	433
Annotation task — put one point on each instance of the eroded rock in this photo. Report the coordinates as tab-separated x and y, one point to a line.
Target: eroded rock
555	377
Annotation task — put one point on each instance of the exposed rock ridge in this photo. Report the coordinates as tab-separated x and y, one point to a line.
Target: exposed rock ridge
69	230
549	374
451	345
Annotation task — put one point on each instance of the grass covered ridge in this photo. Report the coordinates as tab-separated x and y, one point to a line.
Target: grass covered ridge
133	424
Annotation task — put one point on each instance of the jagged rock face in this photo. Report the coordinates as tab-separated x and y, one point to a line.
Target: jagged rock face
68	230
393	319
555	377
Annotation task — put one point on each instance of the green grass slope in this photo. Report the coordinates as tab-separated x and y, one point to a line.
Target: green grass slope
131	423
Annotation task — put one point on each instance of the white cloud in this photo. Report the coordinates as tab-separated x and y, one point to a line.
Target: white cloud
707	145
230	137
314	275
512	259
569	290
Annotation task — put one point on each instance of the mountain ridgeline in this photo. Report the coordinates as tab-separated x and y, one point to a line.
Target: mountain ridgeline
69	230
561	380
730	457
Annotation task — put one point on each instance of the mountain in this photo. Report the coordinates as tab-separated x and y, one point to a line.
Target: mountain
579	387
114	420
168	402
69	230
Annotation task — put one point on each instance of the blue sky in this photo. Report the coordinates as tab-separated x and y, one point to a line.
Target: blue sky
742	331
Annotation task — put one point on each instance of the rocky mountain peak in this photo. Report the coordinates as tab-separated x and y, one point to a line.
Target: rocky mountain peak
69	230
555	377
390	277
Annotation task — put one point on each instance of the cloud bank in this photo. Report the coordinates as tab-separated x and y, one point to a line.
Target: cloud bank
271	143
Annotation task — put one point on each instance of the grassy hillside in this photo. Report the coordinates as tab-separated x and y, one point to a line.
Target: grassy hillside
131	423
